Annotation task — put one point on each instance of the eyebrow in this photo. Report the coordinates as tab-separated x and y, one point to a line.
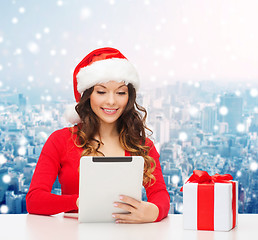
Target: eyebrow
106	87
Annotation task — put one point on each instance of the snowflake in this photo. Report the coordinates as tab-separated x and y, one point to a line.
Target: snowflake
165	83
175	179
176	110
182	136
2	159
185	20
103	26
15	20
6	178
60	3
195	66
253	166
153	78
48	98
223	111
213	76
254	92
190	40
33	47
193	111
197	85
137	47
238	93
18	51
30	78
46	30
158	27
204	60
4	209
57	80
147	2
1	39
53	52
240	127
38	36
23	140
171	73
22	151
63	52
22	10
100	43
85	13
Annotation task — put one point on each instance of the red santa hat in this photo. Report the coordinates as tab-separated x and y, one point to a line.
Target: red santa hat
100	66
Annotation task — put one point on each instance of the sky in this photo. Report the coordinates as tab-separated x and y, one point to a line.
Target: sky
41	42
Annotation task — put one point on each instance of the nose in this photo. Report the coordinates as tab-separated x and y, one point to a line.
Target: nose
111	99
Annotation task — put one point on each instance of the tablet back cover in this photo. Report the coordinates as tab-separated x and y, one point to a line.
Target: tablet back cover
102	180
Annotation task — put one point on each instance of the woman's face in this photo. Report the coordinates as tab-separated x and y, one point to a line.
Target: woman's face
108	100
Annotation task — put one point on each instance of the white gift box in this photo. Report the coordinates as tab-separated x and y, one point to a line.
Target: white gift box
210	206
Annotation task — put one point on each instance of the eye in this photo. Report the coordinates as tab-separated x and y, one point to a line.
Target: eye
101	92
121	93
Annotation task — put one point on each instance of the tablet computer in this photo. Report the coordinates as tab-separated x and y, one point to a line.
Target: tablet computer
103	180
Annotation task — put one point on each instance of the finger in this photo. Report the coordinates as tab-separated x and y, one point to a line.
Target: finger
123	216
124	206
129	200
126	221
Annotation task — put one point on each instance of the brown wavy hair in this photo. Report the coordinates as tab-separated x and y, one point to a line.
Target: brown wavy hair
131	127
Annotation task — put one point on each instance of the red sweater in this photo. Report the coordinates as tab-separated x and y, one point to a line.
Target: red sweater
60	157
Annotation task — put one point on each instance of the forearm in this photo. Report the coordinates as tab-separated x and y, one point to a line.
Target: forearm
162	200
45	203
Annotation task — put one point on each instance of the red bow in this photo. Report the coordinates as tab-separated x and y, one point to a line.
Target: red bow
199	176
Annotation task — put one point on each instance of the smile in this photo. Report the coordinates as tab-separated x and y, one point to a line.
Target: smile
109	111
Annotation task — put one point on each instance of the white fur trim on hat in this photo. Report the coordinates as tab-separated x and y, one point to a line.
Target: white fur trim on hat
71	115
113	69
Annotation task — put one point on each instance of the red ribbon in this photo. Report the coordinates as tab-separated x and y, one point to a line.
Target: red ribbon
204	177
205	197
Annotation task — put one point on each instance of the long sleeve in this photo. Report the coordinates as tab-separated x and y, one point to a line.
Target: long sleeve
39	199
157	193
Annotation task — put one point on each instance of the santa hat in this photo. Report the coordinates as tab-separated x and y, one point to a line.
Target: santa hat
100	66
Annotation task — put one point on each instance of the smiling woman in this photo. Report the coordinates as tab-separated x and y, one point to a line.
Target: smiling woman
108	122
108	101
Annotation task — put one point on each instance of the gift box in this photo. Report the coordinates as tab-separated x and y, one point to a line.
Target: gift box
210	202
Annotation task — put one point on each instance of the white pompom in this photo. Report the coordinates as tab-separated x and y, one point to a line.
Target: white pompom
71	115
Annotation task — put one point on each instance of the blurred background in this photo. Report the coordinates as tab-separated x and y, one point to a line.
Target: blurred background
197	61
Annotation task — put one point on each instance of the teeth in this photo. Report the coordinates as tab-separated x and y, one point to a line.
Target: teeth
110	111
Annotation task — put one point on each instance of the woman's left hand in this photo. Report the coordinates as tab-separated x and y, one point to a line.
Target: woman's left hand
139	211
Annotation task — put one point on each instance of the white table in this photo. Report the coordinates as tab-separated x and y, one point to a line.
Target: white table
36	227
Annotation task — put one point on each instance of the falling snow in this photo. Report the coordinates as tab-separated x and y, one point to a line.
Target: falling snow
33	47
85	13
223	111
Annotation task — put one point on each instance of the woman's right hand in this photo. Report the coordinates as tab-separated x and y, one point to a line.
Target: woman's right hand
77	202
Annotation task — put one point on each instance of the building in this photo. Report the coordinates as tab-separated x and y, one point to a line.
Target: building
230	111
208	119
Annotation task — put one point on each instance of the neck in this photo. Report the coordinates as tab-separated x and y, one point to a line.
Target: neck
107	130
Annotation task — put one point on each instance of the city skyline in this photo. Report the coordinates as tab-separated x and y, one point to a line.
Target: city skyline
197	65
190	131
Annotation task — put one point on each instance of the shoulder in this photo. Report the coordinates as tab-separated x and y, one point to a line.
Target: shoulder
153	151
60	133
149	142
63	135
59	140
